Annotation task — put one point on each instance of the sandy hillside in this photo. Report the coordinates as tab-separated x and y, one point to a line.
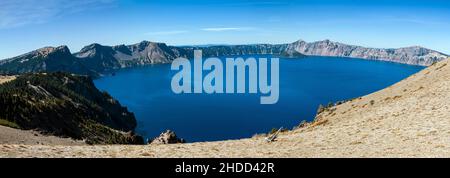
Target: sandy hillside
30	137
408	119
4	79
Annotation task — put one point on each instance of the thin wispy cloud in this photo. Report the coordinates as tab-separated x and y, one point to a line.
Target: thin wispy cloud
162	33
14	13
385	20
416	21
222	29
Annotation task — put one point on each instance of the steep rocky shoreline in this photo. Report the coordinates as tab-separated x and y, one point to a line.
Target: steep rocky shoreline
414	55
95	59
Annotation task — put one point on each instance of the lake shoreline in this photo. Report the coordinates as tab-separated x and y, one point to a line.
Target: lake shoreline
389	127
266	129
146	100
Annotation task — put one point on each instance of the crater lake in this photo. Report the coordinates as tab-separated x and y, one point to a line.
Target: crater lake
305	83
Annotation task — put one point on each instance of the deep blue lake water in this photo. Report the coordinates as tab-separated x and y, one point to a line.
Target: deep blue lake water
304	84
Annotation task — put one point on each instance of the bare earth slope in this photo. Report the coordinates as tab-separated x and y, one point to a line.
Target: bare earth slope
408	119
4	79
30	137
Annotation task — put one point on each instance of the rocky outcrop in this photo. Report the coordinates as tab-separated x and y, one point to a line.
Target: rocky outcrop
99	58
48	59
410	55
109	58
167	137
66	105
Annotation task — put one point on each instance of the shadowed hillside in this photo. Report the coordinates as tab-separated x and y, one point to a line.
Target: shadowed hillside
65	105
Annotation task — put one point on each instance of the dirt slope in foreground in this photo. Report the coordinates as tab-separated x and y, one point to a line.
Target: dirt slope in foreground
408	119
30	137
4	79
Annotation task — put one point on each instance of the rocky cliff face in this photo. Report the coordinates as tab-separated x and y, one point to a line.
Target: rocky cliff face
92	59
96	59
144	53
411	55
109	58
48	59
238	50
66	105
99	58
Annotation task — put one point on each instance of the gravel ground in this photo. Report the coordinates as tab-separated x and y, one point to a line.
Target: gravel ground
10	136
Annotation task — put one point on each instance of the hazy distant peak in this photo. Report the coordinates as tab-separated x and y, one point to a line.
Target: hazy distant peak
94	45
300	41
94	50
42	52
48	50
123	49
145	44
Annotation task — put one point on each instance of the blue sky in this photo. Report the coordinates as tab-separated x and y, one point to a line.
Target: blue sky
26	25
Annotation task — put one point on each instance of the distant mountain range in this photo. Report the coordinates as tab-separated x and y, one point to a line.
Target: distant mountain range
96	59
